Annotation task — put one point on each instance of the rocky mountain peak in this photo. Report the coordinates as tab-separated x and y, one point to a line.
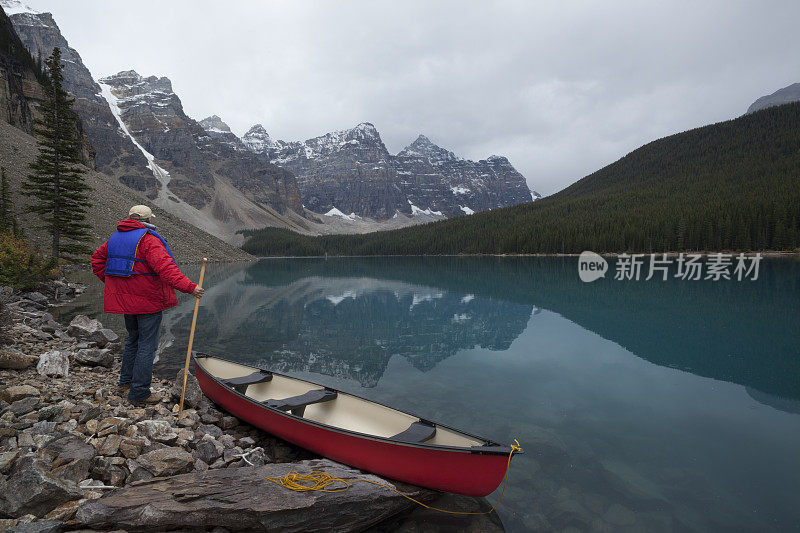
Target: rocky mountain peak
366	130
257	129
363	137
126	77
258	140
217	129
144	139
423	147
215	123
781	96
135	84
350	171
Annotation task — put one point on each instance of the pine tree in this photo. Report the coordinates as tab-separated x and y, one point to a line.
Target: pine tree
6	216
56	179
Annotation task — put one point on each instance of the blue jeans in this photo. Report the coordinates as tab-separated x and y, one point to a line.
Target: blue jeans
139	353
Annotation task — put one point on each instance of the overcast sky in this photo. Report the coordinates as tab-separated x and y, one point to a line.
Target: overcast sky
560	88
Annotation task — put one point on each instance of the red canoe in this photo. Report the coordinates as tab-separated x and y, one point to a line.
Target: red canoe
353	430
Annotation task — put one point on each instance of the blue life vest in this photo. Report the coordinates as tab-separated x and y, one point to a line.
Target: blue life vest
121	252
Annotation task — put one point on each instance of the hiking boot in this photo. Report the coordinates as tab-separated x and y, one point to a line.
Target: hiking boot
150	400
122	390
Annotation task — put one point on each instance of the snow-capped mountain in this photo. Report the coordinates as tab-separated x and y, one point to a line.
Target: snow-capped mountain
470	186
143	138
206	175
258	140
229	184
351	171
423	147
15	7
114	153
220	131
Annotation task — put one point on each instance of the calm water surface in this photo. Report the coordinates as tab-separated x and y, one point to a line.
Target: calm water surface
642	405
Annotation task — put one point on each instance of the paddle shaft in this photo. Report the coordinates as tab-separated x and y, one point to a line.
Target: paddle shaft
191	338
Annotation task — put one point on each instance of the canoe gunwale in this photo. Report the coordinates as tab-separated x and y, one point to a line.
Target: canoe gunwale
492	448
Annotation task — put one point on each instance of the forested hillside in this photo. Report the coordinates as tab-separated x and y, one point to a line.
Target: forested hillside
728	186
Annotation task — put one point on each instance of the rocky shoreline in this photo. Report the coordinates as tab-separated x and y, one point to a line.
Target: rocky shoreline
75	454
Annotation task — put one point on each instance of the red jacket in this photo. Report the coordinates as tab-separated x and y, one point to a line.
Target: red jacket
135	294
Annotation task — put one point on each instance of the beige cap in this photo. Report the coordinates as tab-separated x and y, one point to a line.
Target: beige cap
141	211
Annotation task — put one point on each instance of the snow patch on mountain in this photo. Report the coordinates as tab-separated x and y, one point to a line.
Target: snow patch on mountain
336	213
15	7
165	199
417	211
458	189
466	210
158	172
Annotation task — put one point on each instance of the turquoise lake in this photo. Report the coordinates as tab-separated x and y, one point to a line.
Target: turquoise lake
641	405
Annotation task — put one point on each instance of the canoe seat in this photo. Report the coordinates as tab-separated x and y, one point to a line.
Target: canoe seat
417	432
240	384
297	404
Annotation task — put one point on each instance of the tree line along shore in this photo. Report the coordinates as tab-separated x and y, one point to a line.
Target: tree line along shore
728	186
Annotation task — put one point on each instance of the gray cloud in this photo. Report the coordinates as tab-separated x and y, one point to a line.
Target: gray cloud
560	88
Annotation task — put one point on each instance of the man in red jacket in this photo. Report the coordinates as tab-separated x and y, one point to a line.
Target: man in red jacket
139	274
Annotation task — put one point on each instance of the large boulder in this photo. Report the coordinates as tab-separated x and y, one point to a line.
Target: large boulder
167	461
207	451
105	469
94	357
7	459
241	499
33	489
131	447
37	297
82	327
158	430
15	360
69	457
193	393
18	392
109	445
24	406
53	363
103	337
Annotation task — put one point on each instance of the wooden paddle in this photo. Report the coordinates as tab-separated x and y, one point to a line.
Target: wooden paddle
191	338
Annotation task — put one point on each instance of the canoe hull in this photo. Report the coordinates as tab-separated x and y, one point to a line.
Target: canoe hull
461	472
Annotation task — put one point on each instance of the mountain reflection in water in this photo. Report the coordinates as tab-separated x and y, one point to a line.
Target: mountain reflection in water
347	317
349	327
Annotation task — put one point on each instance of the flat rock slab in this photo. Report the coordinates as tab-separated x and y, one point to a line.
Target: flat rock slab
242	499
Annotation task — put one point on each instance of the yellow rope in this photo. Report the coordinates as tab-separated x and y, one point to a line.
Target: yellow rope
319	481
